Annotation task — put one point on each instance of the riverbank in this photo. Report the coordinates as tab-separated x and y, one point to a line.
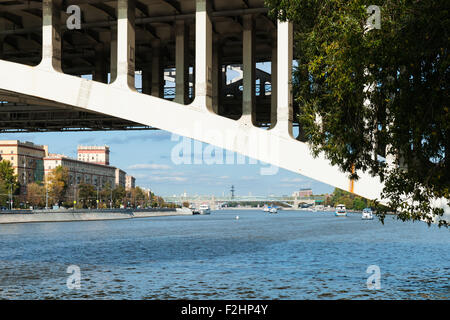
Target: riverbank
86	215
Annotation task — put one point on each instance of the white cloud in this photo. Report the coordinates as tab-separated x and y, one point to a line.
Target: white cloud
151	166
168	179
292	180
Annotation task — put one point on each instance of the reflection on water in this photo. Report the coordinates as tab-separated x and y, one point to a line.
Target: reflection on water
292	255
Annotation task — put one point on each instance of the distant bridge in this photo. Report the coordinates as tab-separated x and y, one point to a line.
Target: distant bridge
212	200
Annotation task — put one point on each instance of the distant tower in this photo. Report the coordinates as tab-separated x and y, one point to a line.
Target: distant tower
232	192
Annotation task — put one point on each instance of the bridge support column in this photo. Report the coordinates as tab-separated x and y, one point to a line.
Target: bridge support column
274	77
182	66
2	38
216	77
203	55
100	72
157	71
249	72
51	35
113	55
147	79
125	44
285	57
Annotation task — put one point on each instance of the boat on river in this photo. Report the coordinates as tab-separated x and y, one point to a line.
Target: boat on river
367	214
341	211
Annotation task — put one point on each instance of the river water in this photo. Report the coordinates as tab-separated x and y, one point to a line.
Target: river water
292	255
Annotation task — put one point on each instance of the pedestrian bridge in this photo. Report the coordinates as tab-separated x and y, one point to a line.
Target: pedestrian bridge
44	56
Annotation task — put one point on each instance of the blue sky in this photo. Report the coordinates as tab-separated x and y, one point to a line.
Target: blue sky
147	156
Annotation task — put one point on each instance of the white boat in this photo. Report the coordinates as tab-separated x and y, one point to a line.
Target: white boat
341	211
273	210
367	214
266	208
204	209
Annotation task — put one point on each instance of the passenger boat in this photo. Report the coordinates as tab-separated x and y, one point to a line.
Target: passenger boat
273	210
341	211
204	209
367	214
266	208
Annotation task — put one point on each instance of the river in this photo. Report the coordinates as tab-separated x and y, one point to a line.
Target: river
291	255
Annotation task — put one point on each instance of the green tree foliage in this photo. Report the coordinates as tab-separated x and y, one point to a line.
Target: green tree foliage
58	183
382	92
119	194
35	195
351	201
8	181
87	195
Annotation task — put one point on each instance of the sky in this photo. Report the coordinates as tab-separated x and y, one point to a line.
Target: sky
149	157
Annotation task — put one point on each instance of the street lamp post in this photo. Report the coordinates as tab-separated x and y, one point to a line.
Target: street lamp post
46	197
97	196
74	196
10	197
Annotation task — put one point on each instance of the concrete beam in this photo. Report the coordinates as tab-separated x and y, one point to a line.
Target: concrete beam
203	55
182	63
126	39
285	56
51	35
264	145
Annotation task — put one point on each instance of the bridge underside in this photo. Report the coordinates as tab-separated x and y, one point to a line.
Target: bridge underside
164	34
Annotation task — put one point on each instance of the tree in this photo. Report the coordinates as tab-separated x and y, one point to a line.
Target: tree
119	194
35	195
58	183
8	181
139	196
87	195
364	94
186	204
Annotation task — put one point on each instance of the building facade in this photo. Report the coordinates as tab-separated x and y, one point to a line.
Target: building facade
33	163
130	182
26	159
94	154
120	178
81	172
303	193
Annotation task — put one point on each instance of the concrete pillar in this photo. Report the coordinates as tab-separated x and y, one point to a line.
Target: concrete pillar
51	35
182	63
125	44
147	78
285	46
274	78
113	56
157	71
216	77
2	39
101	70
203	55
249	69
222	86
262	88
